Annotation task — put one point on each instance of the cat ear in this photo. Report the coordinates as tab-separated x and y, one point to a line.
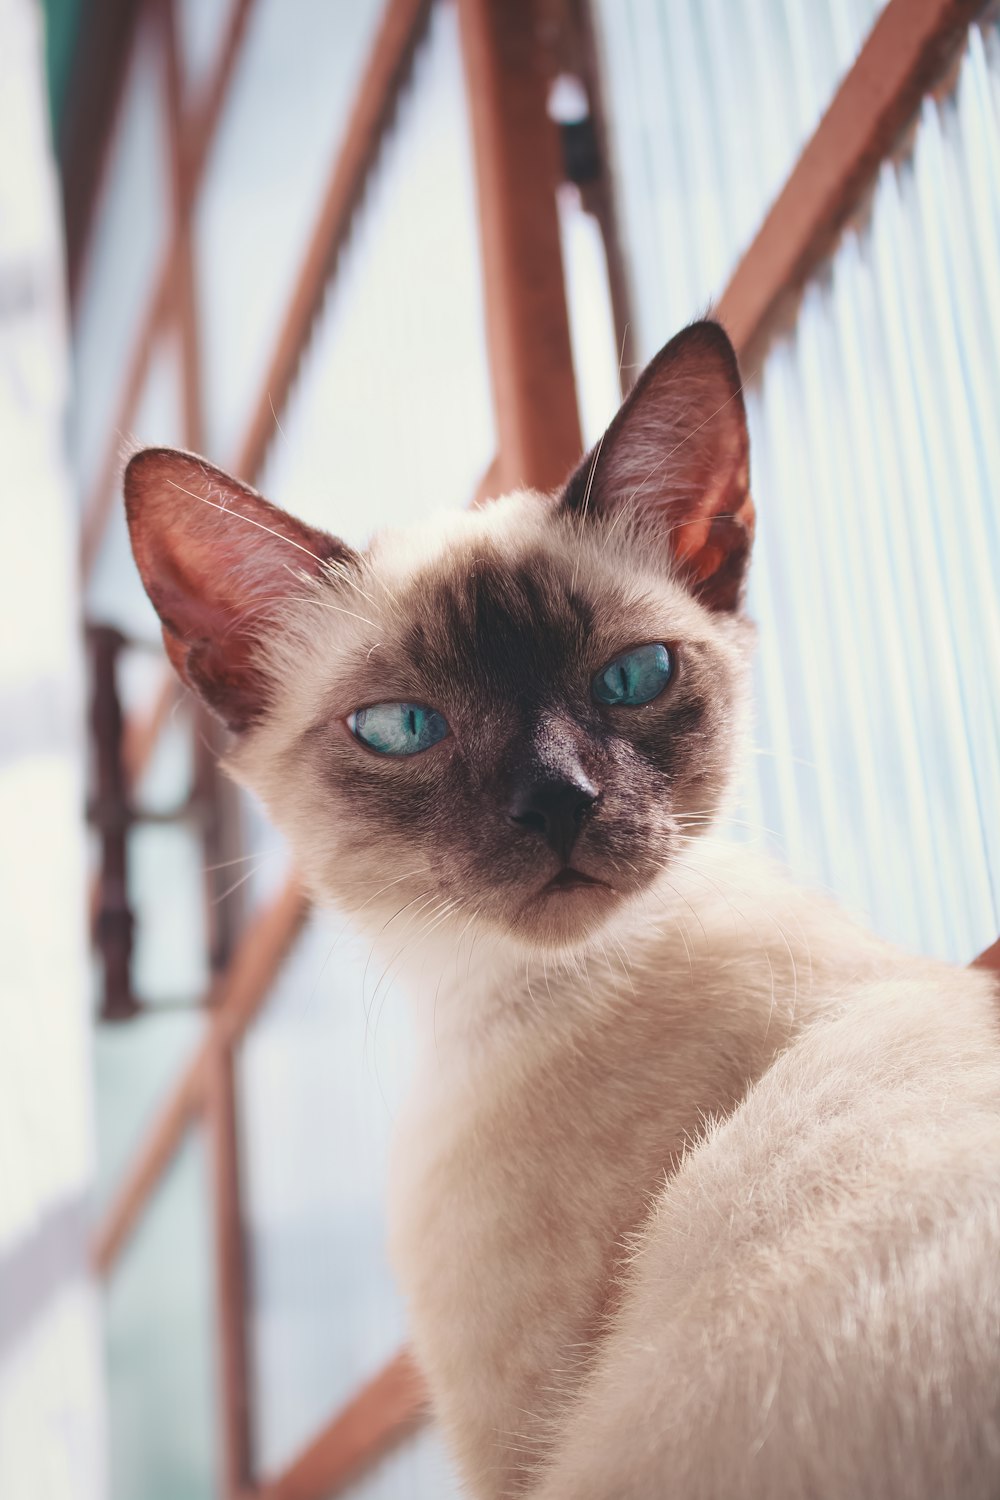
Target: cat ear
677	455
217	561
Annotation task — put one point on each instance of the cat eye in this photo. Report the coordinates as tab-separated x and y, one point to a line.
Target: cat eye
635	677
398	728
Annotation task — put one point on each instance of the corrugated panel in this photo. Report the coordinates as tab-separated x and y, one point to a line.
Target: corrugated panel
874	441
709	104
876	461
281	125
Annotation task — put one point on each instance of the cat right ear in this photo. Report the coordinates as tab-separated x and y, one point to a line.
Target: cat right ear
218	562
677	456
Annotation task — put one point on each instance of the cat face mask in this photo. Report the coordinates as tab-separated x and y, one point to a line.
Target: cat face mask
515	716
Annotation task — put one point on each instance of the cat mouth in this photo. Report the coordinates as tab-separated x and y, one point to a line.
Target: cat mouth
573	880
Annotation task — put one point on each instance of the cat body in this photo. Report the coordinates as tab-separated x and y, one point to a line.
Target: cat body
698	1192
752	1256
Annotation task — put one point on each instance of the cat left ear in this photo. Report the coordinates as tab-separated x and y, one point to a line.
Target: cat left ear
677	456
218	562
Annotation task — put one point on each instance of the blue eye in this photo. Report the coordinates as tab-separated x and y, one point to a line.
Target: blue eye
398	728
635	677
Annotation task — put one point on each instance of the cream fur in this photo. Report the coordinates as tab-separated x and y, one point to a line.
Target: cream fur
705	1205
725	1224
698	1192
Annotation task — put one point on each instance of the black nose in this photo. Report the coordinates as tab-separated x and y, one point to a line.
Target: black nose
554	808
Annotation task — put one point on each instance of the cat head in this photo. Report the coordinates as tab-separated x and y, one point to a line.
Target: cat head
516	715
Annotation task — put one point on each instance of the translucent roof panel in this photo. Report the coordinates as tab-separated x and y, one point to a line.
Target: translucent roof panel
320	1077
709	104
284	116
392	416
201	31
135	1066
875	452
162	1360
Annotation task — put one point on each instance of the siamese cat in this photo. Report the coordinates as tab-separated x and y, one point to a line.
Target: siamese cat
698	1191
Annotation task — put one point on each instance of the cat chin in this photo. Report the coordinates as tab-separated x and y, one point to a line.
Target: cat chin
558	920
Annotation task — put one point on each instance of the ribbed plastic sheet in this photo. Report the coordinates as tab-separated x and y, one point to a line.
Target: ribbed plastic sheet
877	461
709	103
875	447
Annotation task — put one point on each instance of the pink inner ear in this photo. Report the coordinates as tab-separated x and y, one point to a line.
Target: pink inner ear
678	452
217	561
722	512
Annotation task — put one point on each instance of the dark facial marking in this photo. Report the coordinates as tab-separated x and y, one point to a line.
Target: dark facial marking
512	630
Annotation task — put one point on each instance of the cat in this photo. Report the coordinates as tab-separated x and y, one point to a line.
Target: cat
698	1190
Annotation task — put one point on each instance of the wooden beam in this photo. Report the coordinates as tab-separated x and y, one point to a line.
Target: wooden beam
516	151
989	958
233	1352
184	299
97	506
375	104
200	125
907	51
148	1165
386	1410
234	1001
374	108
193	138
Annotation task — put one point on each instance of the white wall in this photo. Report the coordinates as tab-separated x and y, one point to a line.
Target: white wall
51	1412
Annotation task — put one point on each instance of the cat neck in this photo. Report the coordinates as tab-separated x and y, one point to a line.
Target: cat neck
722	931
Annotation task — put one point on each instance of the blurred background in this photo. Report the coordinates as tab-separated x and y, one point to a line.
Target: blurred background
379	257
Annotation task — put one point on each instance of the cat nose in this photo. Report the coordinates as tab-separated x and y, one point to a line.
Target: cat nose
554	808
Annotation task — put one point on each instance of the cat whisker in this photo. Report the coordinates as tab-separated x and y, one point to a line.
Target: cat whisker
249	875
239	516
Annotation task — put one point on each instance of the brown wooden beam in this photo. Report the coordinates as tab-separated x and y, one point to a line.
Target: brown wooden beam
375	104
193	138
148	1165
234	1001
200	124
230	1271
989	958
516	153
386	1410
97	505
907	51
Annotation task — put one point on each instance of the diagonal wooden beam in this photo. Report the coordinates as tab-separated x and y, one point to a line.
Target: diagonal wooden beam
905	55
391	1406
374	108
375	102
195	140
232	1002
989	958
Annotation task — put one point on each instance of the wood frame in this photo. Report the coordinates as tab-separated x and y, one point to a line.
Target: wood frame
539	440
905	55
516	153
191	139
